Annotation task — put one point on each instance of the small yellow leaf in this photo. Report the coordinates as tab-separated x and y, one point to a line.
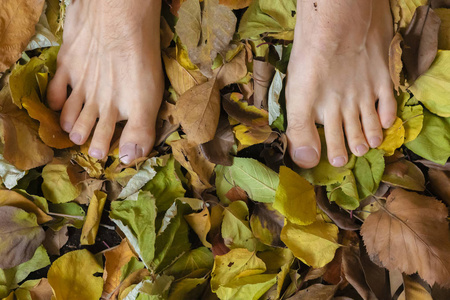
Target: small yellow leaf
394	137
12	198
413	121
72	277
250	135
314	244
90	227
201	224
295	198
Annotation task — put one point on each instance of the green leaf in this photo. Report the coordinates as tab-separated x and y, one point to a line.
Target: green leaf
432	88
412	117
236	230
188	288
368	171
166	186
136	219
172	239
345	194
10	278
144	175
223	183
266	224
295	198
200	258
133	265
20	236
259	181
314	244
433	142
157	289
250	287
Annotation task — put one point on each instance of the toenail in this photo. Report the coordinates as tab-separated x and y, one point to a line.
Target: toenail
339	161
130	152
375	142
67	127
361	149
96	153
305	155
75	137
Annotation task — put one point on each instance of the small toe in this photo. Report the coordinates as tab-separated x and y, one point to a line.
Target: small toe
334	134
84	124
103	133
57	90
353	131
137	139
303	140
371	125
387	108
71	110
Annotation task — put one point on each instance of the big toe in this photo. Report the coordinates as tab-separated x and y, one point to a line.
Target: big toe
137	140
303	141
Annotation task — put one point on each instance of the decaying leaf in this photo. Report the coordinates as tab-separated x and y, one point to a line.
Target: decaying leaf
93	216
403	173
55	240
218	149
395	60
18	20
401	227
266	224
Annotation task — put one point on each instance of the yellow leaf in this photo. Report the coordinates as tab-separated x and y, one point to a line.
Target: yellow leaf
116	258
314	244
201	224
295	198
394	137
72	277
94	214
12	198
413	121
250	135
57	186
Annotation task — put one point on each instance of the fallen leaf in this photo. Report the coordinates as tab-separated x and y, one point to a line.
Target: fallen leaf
251	135
93	216
250	286
9	174
201	224
403	11
414	290
394	137
439	4
421	42
266	224
55	240
275	89
18	21
412	117
236	194
144	174
20	236
72	276
295	198
206	33
345	193
316	291
43	36
13	198
440	184
262	76
395	61
218	149
444	36
236	4
191	288
243	112
199	259
400	233
313	244
403	173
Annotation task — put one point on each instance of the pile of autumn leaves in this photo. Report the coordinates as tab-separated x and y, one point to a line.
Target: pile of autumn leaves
198	223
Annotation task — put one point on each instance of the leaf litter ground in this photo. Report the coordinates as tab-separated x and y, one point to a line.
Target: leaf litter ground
219	211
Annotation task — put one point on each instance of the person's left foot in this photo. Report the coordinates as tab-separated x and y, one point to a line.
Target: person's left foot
111	59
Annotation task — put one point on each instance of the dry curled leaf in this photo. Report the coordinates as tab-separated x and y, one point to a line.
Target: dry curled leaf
410	233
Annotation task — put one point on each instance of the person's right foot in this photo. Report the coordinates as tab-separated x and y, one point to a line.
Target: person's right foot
111	59
337	72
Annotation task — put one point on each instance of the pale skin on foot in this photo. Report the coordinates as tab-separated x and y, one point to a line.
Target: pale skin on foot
338	70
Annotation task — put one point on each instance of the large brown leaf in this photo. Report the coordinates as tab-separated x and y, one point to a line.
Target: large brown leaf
17	25
218	149
421	42
410	233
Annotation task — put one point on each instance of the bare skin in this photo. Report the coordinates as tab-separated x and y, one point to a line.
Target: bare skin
337	72
110	58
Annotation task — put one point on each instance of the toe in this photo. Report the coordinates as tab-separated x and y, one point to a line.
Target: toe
137	139
71	110
303	139
353	131
84	124
371	125
102	135
387	107
334	134
57	90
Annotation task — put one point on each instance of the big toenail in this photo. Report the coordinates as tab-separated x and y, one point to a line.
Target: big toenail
305	155
75	137
361	149
130	152
339	161
67	127
96	153
374	142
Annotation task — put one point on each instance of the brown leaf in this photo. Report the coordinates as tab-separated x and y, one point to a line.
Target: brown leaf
440	184
421	42
403	173
55	240
244	113
236	4
266	224
440	3
375	275
206	33
218	149
22	145
166	33
410	233
189	155
316	292
333	270
433	165
236	194
395	60
334	212
262	76
17	27
13	198
232	71
41	291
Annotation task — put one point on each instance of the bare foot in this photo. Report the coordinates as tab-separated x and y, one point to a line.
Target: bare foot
111	59
337	72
